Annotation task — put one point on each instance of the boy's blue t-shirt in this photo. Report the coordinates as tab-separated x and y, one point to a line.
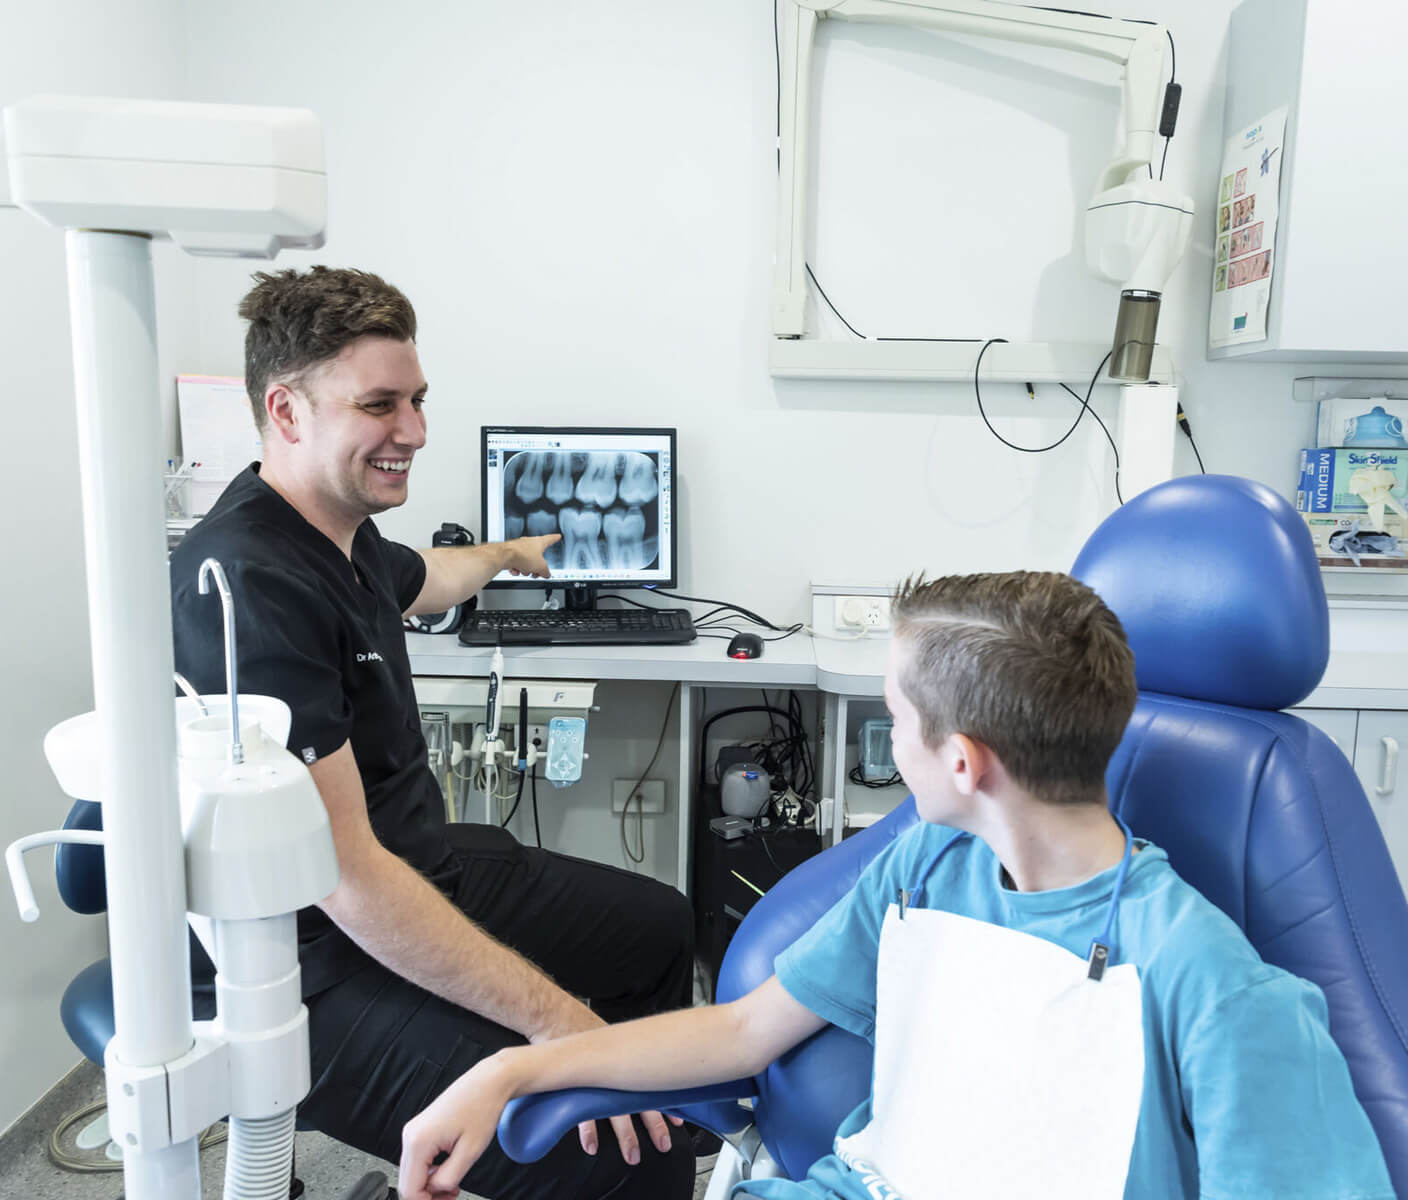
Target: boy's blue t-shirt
1245	1093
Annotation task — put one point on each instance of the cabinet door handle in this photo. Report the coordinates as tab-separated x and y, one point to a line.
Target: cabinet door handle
1389	777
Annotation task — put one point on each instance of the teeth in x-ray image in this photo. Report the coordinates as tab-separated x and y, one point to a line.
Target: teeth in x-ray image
559	485
598	485
627	547
513	527
638	482
541	521
529	488
580	548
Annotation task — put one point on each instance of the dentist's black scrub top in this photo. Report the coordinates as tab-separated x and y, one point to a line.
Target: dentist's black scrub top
324	635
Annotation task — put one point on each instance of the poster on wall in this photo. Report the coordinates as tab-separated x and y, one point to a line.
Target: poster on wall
218	437
1245	238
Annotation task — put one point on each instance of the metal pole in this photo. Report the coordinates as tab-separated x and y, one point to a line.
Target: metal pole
113	313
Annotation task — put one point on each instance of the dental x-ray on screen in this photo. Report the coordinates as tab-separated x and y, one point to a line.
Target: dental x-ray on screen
609	492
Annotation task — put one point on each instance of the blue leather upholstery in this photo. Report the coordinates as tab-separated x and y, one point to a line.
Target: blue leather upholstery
86	1007
832	1069
86	1010
79	869
1215	581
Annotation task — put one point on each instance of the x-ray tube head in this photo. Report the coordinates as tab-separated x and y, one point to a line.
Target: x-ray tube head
1135	235
1132	354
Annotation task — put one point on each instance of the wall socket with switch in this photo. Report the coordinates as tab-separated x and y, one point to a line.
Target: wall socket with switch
651	792
862	612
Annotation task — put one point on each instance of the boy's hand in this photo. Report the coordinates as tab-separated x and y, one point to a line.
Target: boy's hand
525	555
460	1123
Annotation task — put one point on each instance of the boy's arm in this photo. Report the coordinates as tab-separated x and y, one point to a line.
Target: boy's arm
1271	1103
688	1048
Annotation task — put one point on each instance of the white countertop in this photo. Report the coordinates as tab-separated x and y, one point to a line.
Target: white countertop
839	666
786	663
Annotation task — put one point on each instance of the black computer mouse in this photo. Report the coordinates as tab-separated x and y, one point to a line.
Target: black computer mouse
746	645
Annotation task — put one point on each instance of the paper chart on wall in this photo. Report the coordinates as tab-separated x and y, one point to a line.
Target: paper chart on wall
217	434
1245	215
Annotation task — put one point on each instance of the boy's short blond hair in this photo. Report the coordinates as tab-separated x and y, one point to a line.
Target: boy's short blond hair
1031	664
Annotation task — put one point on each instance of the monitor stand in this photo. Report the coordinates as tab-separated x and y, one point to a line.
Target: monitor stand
579	597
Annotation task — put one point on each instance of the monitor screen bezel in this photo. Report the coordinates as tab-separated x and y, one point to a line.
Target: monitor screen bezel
609	430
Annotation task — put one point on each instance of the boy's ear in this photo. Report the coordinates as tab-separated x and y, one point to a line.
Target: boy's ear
969	762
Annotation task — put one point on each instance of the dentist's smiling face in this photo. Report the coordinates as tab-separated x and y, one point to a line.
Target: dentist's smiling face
360	424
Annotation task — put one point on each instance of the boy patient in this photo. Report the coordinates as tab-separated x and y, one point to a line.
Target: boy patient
1055	1013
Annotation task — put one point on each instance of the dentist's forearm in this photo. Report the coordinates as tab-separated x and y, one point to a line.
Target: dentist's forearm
455	573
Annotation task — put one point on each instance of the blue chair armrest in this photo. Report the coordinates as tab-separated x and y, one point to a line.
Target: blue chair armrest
533	1125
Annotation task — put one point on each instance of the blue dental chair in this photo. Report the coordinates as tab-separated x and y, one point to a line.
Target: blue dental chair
1215	581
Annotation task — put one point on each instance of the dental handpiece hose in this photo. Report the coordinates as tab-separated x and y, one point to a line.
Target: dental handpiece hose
523	729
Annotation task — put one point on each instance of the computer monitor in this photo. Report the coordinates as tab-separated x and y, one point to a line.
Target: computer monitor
609	492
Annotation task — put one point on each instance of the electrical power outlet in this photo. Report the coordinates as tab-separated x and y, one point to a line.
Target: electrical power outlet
651	792
866	613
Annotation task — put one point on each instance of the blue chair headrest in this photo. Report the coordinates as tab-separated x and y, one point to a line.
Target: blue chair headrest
1215	580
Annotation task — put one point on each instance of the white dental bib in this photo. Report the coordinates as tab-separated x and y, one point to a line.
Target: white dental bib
1002	1070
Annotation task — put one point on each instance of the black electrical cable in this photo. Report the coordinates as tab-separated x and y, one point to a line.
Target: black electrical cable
794	711
634	793
799	731
1105	429
537	830
762	839
752	616
855	776
707	620
1084	404
1188	432
504	823
831	306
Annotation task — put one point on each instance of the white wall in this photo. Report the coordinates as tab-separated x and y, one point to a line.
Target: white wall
87	47
579	199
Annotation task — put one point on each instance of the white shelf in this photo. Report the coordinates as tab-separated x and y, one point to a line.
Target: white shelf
952	362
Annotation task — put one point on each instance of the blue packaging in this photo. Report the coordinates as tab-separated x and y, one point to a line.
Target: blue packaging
1327	473
1366	421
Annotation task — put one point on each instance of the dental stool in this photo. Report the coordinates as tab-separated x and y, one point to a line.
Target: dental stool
1216	583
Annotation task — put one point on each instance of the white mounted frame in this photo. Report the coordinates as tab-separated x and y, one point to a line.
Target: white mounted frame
1138	48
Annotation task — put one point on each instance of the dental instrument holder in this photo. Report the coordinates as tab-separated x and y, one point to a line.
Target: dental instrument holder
216	179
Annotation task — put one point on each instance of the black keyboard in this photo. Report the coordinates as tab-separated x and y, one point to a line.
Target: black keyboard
562	627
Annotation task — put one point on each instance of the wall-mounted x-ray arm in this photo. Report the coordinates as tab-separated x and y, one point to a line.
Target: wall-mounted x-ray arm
1122	224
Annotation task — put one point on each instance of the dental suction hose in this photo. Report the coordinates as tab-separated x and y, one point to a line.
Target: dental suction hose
211	567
